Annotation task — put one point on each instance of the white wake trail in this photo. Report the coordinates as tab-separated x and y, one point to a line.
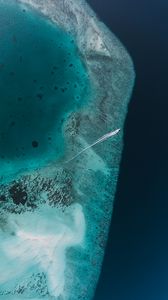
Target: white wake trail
100	140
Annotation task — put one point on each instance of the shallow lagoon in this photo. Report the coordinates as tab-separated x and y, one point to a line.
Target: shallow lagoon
42	78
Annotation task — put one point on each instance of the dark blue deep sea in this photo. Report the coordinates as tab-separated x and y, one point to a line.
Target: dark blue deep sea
52	82
136	260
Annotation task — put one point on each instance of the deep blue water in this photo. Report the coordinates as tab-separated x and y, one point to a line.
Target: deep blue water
136	261
42	78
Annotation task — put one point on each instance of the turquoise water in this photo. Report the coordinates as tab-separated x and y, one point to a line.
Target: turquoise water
42	77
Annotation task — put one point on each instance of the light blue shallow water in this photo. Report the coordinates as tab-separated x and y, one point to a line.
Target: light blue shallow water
42	77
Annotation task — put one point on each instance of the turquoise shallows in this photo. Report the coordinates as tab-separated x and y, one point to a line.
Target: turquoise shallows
42	78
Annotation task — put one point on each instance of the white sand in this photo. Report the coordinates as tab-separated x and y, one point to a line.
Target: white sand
39	244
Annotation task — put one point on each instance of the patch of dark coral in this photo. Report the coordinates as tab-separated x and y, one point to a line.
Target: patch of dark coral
2	198
30	192
18	194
